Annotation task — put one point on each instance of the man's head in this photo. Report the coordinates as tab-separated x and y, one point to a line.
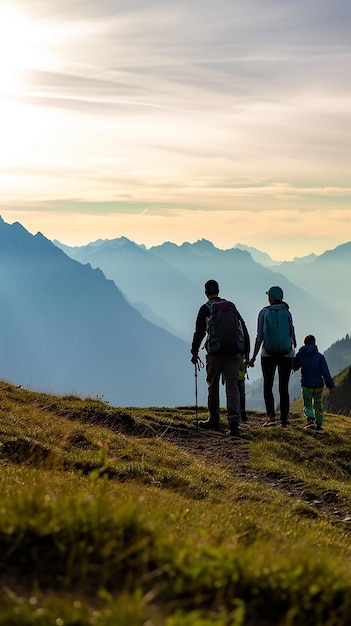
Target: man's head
211	288
309	340
275	294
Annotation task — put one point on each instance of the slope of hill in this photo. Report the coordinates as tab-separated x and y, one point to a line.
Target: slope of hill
65	328
114	513
339	355
340	400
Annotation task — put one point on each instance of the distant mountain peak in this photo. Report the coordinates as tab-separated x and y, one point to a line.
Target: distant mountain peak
309	258
16	226
204	244
258	256
200	246
339	252
200	243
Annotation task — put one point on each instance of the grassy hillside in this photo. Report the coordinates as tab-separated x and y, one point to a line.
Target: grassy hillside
134	517
340	401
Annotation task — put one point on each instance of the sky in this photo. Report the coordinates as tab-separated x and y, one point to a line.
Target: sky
177	121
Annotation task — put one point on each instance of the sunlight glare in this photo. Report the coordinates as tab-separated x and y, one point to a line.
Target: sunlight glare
16	46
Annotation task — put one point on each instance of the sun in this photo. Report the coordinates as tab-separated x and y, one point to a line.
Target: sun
16	46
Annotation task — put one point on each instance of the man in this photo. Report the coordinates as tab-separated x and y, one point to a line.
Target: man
223	362
277	355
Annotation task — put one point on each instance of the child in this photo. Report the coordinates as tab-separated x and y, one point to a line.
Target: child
314	375
241	385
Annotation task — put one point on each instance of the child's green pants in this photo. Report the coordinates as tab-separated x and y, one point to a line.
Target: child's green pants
312	404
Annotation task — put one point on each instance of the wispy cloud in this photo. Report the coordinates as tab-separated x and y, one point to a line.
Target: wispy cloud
224	106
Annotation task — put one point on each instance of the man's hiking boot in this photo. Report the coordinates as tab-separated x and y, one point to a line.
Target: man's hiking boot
234	429
319	428
269	422
209	424
243	417
310	423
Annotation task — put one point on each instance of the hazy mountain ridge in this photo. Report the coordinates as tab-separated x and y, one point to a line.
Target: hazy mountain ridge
327	278
70	328
260	257
66	328
152	285
169	274
241	279
264	259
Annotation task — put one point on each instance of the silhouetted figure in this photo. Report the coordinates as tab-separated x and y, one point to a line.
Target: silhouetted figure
276	335
314	375
223	361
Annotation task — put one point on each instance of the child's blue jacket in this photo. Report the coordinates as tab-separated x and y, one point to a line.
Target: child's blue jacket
314	369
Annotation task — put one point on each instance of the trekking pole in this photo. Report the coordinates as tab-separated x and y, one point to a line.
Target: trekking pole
198	366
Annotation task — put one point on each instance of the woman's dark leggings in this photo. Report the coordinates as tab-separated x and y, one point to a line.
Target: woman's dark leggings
269	366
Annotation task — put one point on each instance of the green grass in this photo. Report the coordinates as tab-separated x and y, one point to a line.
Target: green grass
320	461
103	521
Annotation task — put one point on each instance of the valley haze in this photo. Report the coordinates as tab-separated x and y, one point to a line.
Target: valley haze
115	319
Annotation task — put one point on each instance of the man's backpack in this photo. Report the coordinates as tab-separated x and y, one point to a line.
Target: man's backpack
277	331
225	333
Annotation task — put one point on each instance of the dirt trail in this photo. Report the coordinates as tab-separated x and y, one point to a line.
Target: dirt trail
232	454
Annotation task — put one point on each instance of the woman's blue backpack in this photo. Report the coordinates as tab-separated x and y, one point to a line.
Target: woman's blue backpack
277	331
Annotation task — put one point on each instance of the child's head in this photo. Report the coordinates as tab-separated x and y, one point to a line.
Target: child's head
309	340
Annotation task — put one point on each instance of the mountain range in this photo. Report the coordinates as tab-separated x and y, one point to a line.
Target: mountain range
244	273
66	328
115	319
165	283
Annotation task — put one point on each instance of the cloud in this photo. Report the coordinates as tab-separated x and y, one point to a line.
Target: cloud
222	106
